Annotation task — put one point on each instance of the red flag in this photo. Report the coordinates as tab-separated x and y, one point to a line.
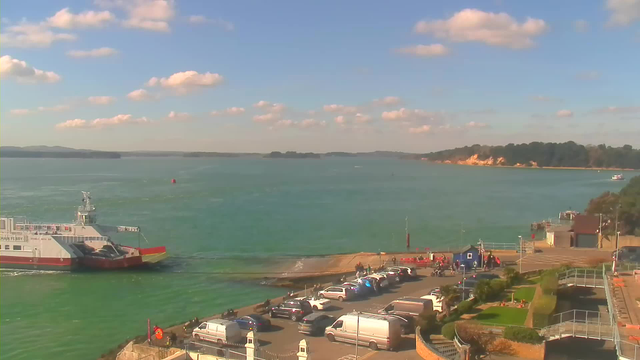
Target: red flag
533	236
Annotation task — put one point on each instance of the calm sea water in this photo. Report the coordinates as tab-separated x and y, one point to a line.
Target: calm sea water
225	217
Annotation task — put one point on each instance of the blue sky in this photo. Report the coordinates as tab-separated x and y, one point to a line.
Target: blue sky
411	76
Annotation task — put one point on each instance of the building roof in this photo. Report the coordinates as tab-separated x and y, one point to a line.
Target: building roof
586	224
468	248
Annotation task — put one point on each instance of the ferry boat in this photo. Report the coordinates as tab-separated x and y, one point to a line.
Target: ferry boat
80	245
617	177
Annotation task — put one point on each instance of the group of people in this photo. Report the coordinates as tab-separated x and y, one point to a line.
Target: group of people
360	269
491	261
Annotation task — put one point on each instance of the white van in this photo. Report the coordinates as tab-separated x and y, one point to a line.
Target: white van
375	331
436	300
219	331
408	307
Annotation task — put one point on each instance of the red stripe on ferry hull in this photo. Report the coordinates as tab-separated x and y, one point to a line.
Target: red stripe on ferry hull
21	262
102	263
153	250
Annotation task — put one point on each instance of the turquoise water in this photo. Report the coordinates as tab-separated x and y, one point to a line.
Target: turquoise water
225	217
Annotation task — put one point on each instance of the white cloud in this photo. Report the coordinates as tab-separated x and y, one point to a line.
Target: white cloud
153	15
20	112
39	109
101	52
229	111
362	119
389	100
28	35
101	100
266	118
564	113
433	50
200	19
420	130
20	70
341	109
623	12
340	120
282	124
310	123
139	95
495	29
65	19
476	125
581	26
618	110
185	81
269	107
588	75
151	25
176	116
409	115
102	122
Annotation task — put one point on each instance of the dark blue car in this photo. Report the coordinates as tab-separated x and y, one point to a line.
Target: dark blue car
254	322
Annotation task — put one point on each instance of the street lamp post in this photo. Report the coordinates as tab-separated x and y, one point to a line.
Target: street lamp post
615	258
520	237
357	332
464	268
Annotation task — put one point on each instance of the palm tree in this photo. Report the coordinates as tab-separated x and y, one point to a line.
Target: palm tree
450	295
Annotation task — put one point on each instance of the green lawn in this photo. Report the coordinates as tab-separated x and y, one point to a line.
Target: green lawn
502	315
525	293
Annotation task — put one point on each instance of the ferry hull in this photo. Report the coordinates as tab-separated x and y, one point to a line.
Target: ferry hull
27	263
110	264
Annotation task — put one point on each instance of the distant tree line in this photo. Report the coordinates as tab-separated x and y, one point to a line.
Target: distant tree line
627	202
60	155
291	155
568	154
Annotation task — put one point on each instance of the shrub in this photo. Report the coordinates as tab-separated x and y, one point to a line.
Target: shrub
511	276
428	323
465	306
522	335
542	309
483	290
549	283
497	287
449	330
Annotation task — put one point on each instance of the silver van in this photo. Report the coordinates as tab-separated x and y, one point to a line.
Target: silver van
219	331
372	330
408	307
337	292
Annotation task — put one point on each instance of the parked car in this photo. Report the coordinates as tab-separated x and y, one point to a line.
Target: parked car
314	324
413	272
219	331
254	322
382	280
436	300
293	309
402	274
408	307
375	331
435	291
339	293
393	275
317	303
359	288
485	276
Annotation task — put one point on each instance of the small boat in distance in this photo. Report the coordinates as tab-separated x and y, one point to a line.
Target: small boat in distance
80	245
617	177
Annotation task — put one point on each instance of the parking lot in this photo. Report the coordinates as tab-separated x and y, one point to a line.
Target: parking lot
283	338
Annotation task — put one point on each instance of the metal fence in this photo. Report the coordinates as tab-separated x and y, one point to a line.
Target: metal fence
580	323
582	277
624	349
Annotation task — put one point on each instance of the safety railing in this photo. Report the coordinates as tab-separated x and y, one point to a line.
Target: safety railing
582	278
580	323
624	349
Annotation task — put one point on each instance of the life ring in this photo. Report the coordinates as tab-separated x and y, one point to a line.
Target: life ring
475	264
159	334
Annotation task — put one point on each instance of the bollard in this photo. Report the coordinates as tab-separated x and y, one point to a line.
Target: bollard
251	345
303	350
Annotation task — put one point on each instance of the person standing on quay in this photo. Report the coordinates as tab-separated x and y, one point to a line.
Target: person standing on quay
369	269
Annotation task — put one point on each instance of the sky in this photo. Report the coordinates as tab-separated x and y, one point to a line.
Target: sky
260	76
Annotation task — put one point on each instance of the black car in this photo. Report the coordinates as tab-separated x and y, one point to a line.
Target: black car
314	324
293	309
485	276
254	322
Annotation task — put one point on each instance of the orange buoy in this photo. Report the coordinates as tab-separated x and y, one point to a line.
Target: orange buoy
173	181
159	334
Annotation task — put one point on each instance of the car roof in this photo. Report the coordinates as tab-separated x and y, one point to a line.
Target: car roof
255	316
314	316
219	321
